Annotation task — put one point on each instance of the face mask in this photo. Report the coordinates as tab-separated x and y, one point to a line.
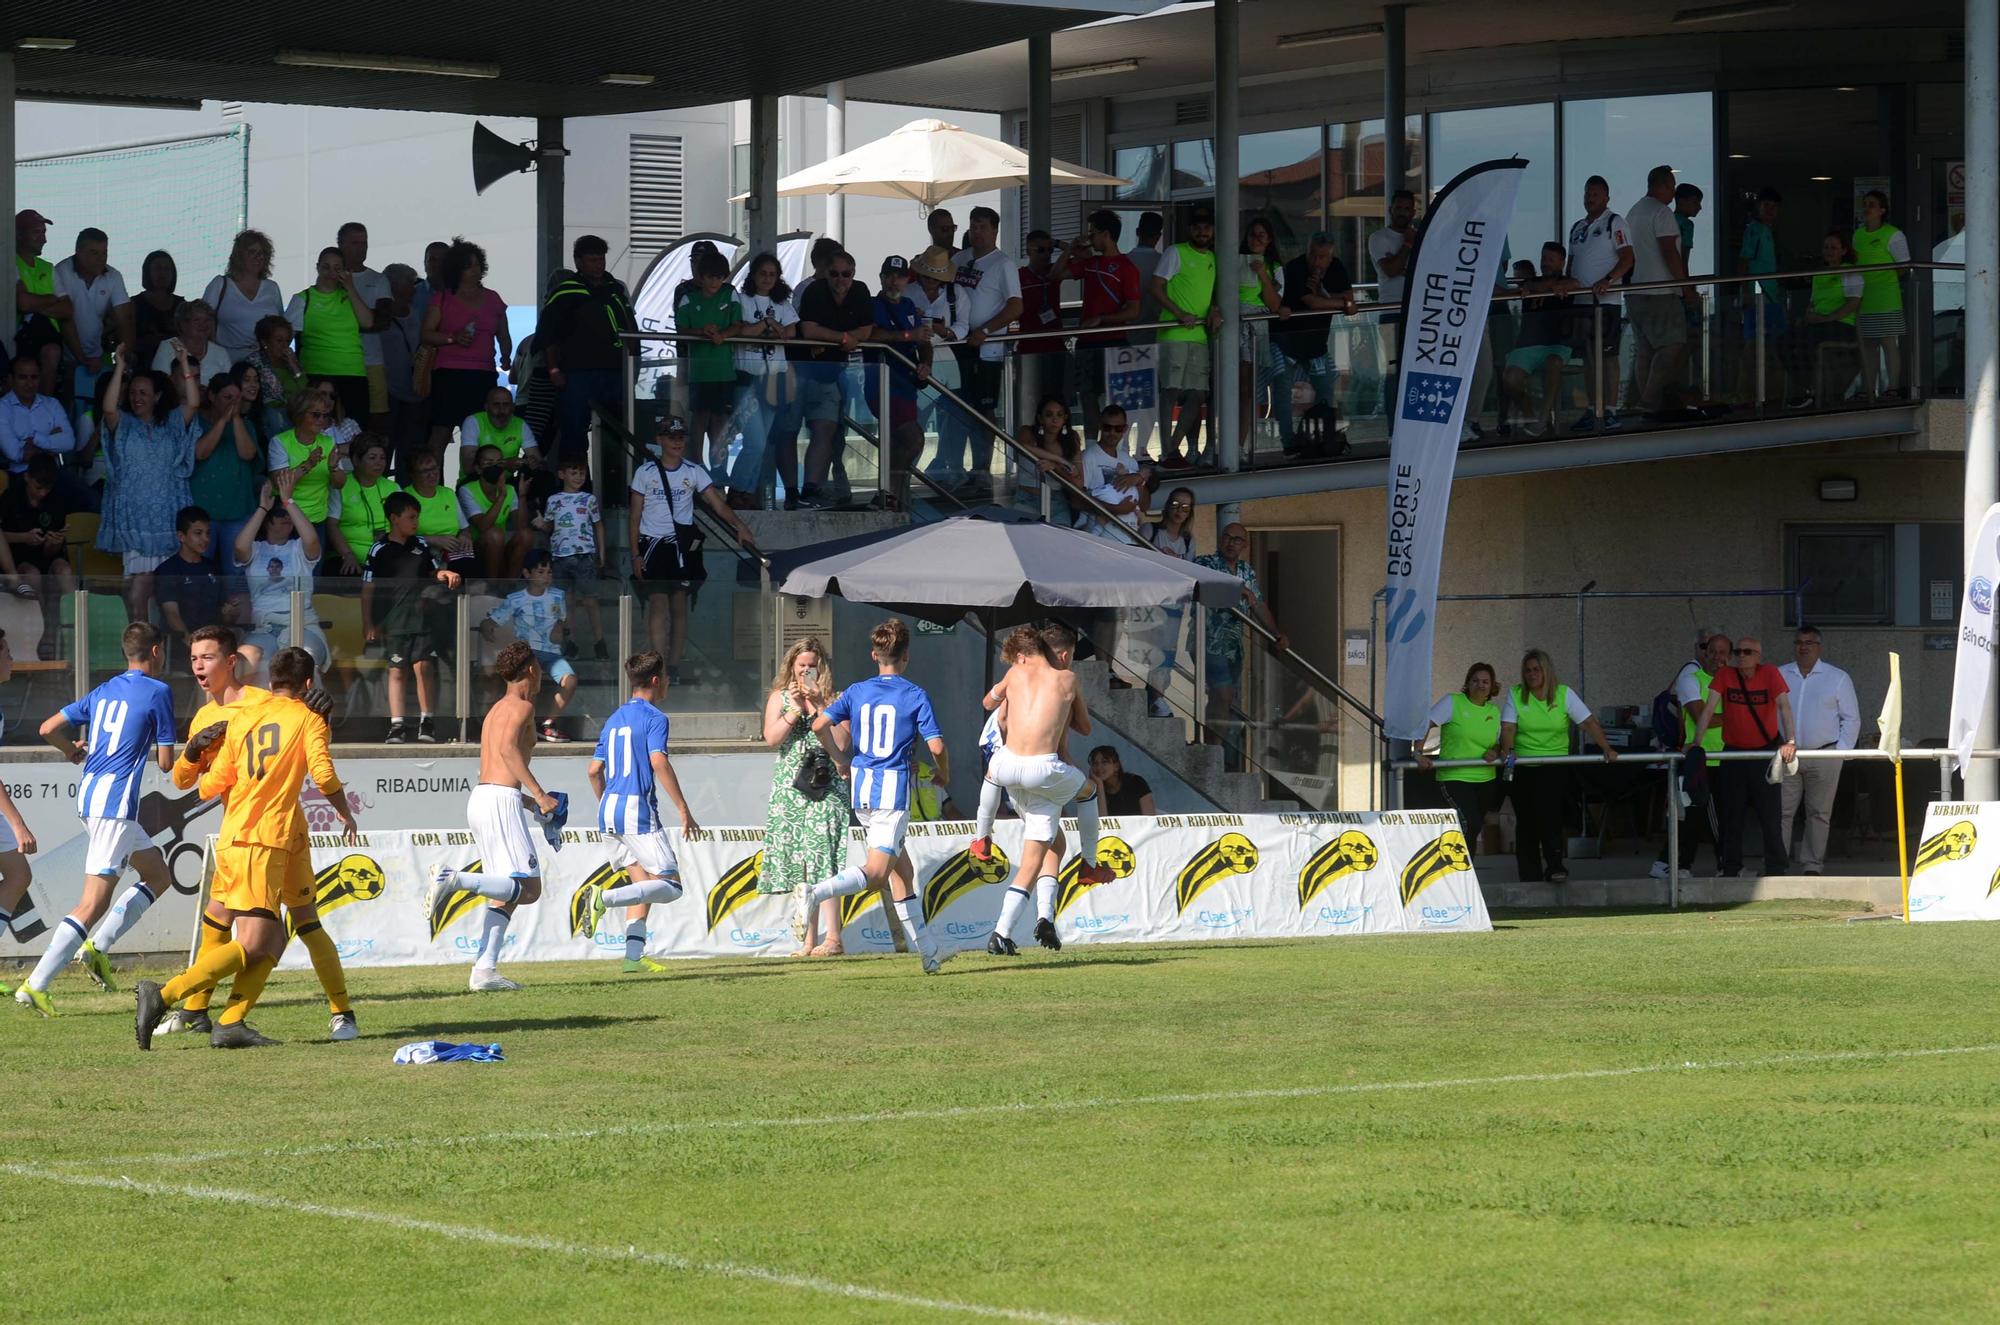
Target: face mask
490	473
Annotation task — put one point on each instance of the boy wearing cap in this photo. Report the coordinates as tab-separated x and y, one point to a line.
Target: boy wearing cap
666	545
900	322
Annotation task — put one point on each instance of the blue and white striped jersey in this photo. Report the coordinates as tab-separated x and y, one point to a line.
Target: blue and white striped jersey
631	734
125	718
888	715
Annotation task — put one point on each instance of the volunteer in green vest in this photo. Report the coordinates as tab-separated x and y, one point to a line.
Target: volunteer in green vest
357	518
1535	719
1837	294
329	316
1184	286
1691	690
40	308
1876	242
1468	727
497	425
440	518
308	447
492	510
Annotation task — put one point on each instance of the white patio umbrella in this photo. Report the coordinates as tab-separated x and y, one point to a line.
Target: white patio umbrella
927	161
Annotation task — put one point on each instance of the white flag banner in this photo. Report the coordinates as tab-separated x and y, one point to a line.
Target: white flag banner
1972	675
1445	304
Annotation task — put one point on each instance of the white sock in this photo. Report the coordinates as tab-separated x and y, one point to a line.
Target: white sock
911	911
1086	827
492	934
990	793
1045	898
494	887
124	914
844	884
635	940
62	948
1010	910
643	892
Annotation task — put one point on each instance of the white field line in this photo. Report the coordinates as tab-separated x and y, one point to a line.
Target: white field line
1017	1107
572	1251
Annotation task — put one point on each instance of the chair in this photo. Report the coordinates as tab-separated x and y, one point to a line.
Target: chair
80	542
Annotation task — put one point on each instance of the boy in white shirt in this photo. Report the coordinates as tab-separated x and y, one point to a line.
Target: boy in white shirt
538	614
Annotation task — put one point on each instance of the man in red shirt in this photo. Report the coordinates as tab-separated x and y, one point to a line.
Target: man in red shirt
1111	291
1042	358
1756	714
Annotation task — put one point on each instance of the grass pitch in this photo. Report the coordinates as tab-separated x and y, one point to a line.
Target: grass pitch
1727	1115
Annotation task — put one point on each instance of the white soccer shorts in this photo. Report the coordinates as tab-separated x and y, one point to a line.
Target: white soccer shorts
1040	786
498	818
652	852
884	829
113	842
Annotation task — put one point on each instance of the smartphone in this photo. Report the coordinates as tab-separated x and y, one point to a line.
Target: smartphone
812	676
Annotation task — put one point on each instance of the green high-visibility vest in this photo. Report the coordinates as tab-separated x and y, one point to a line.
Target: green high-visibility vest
1473	730
1711	740
316	483
37	277
1881	291
1192	289
1828	296
485	503
330	342
1541	728
508	439
362	519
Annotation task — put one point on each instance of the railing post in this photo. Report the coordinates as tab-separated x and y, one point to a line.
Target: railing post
1673	832
624	640
461	664
80	642
770	646
298	630
1047	498
1758	295
1200	704
1597	362
884	443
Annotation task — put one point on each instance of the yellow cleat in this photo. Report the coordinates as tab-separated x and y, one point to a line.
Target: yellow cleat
36	999
644	964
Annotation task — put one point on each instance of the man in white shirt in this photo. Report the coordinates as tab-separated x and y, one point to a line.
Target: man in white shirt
1113	478
1659	327
30	422
373	287
100	316
1600	253
1389	253
1829	718
989	286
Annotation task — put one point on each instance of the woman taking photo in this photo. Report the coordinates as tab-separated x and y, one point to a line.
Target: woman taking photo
227	461
244	295
767	403
354	513
1057	449
1535	719
468	324
148	456
805	837
1877	243
1468	727
329	316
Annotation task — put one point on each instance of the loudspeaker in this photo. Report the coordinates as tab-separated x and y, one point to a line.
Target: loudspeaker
494	158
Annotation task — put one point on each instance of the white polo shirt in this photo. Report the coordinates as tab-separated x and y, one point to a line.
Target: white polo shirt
1593	252
984	287
1650	221
92	302
1385	243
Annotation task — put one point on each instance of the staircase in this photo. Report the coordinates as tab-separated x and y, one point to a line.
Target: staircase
1165	740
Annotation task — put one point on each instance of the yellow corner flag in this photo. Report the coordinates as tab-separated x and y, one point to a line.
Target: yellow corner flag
1891	724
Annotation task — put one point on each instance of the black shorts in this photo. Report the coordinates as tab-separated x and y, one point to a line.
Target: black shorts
711	397
34	332
407	649
672	564
1579	340
457	394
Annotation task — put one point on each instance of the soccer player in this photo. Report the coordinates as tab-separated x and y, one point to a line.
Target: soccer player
1044	705
629	763
497	814
127	717
263	858
886	713
213	657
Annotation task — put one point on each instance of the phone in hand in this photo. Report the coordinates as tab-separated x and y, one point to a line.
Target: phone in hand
811	675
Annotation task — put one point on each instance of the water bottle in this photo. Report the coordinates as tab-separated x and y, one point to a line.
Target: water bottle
1507	768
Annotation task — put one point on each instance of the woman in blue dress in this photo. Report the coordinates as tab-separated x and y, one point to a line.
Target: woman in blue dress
148	457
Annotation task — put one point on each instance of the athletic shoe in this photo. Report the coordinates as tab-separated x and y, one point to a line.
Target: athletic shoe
1045	934
239	1035
399	733
1158	708
492	982
552	823
194	1022
1000	945
646	965
427	732
343	1027
5	989
1659	869
981	850
1094	874
29	997
437	889
1586	422
597	907
550	732
147	1011
98	967
932	960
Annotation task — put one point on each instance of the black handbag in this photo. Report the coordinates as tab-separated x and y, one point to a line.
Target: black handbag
816	776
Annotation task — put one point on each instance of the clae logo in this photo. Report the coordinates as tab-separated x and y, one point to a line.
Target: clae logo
961	931
1925	903
470	942
874	935
604	940
1223	919
755	938
1099	924
1441	916
351	948
1344	915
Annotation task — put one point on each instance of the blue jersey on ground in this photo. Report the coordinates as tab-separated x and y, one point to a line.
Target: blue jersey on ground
126	718
630	803
888	714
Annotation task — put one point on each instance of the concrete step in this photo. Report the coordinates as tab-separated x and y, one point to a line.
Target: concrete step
1876	893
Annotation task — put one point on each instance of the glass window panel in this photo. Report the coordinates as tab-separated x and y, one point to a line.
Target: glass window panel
1146	167
1282	182
1194	164
1847	571
1358	204
1622	138
1462	138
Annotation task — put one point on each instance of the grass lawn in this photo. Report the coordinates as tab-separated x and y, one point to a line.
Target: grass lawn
1722	1115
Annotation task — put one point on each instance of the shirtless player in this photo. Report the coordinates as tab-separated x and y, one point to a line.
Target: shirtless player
497	813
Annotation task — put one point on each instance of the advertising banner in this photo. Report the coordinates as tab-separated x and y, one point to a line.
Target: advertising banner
1180	878
1445	303
1956	873
1972	671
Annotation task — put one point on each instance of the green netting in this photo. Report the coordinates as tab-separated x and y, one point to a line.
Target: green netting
188	196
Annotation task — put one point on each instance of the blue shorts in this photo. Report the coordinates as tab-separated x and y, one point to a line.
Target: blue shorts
1225	670
554	665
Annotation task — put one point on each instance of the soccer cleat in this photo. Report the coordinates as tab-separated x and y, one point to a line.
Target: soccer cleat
1000	945
193	1022
427	731
343	1027
981	850
644	964
492	982
595	901
30	997
552	823
1094	874
5	989
146	1016
550	732
239	1035
1045	934
98	967
436	890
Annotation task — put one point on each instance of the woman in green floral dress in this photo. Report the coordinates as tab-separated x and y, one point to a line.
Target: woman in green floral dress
804	840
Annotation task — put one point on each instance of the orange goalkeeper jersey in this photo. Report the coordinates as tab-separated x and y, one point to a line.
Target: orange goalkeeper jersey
270	750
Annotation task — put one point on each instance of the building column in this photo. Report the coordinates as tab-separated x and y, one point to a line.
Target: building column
8	205
1982	308
1393	164
1226	404
836	143
762	205
551	253
1041	99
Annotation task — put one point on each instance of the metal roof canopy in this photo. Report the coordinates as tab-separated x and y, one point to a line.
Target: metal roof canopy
513	60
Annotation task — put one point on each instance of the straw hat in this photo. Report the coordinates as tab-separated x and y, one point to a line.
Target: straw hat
934	262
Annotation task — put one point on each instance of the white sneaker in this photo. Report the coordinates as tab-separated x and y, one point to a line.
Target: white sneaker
933	959
490	982
1659	869
438	886
1158	708
343	1027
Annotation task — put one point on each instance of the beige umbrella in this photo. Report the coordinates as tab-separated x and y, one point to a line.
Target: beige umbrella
928	161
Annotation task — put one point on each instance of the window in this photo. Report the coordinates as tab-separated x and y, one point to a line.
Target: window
1848	572
1281	181
1194	164
1146	167
657	209
1358	205
1622	138
1463	138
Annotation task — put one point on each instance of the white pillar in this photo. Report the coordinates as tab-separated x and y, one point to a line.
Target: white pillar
8	206
1226	406
763	181
1982	307
836	143
1041	100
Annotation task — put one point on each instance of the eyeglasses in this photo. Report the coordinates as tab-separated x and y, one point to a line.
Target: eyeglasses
1238	538
846	274
1747	653
319	414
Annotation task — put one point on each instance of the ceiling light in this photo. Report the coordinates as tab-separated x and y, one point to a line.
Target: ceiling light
1843	89
1093	70
45	43
1739	156
1722	13
389	64
1327	36
1822	179
626	80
